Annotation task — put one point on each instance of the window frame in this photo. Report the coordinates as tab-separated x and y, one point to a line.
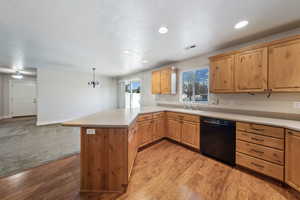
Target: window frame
181	86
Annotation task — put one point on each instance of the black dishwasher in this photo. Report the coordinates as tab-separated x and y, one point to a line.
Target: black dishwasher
217	139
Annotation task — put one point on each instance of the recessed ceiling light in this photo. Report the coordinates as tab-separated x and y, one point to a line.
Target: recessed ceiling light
126	52
145	61
163	30
241	24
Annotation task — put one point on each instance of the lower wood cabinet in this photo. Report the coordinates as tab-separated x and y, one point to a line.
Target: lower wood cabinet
184	128
158	129
292	159
174	129
191	134
145	130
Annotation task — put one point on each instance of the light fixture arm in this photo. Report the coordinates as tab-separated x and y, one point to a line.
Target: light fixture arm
94	83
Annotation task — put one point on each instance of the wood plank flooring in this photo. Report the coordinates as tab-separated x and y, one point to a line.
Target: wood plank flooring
164	171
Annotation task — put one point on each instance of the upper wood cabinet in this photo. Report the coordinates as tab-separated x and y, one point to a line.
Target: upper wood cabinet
156	86
292	162
251	71
164	81
284	66
222	74
272	66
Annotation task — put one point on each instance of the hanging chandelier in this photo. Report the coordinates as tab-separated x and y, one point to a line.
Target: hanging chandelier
94	83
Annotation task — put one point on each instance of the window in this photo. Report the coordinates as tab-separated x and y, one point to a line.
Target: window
132	94
195	85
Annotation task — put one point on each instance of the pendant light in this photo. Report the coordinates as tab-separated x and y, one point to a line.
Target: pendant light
94	83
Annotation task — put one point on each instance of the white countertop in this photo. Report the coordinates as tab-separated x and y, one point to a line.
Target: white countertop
123	118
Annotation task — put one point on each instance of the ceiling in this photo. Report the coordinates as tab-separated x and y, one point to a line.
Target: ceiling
80	34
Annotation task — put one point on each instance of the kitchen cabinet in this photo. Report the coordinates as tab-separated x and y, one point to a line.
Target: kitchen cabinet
174	129
156	82
184	128
284	66
164	81
145	131
267	67
261	148
222	74
292	161
251	71
158	128
191	134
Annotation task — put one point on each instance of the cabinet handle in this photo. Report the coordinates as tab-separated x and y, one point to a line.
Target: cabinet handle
259	140
257	165
256	129
257	151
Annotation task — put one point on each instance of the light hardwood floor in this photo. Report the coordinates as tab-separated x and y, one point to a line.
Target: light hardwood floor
164	171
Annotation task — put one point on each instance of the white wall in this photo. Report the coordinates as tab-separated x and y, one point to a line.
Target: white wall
276	103
1	96
65	95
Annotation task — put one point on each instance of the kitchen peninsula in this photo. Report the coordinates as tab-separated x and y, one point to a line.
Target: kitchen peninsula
110	140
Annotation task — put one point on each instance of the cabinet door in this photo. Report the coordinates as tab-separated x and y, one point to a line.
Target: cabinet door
292	161
174	129
251	71
191	134
284	66
165	81
145	130
158	128
156	82
221	75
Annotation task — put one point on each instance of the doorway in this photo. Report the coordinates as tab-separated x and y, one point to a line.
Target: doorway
22	98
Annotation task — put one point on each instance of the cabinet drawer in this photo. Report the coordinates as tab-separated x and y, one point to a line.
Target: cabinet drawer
158	115
144	117
259	139
261	166
261	129
182	116
258	151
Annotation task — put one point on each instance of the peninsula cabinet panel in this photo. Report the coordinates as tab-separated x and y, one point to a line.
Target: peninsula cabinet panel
145	131
292	157
156	82
284	66
222	74
191	134
132	147
104	160
251	71
174	129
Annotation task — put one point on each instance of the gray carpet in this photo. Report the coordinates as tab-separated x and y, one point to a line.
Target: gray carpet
24	145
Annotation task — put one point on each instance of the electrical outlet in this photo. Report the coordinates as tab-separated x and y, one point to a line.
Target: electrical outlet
90	131
297	105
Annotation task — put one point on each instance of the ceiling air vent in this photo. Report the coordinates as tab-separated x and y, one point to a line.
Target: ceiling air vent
190	47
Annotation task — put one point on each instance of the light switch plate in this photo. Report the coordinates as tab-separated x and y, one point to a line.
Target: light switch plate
297	105
90	131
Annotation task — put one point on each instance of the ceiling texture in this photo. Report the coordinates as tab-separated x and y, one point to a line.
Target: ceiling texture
81	34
